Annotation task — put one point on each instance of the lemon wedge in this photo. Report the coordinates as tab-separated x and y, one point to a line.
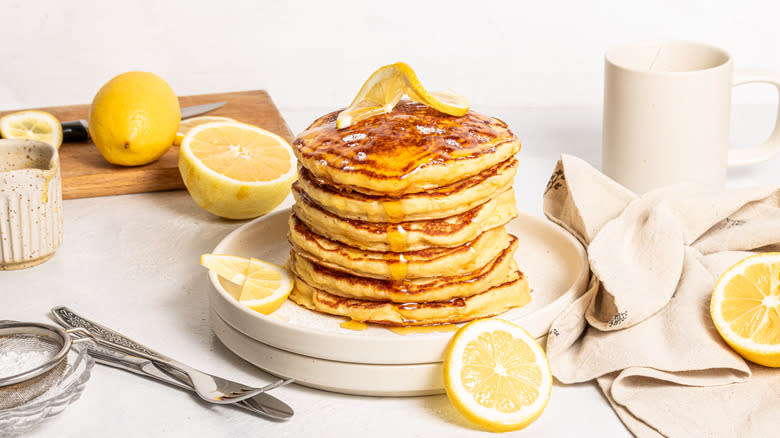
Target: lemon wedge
385	88
231	268
745	308
235	170
34	125
264	286
496	375
187	124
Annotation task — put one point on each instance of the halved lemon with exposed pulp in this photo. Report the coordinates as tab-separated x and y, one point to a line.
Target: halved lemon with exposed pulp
235	170
745	308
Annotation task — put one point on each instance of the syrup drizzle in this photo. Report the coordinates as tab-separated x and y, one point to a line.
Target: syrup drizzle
397	239
373	146
399	268
354	325
47	178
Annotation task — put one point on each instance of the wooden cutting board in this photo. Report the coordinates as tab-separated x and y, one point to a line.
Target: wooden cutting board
85	173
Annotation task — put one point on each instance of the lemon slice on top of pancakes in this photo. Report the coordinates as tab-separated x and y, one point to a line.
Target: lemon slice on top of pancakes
385	88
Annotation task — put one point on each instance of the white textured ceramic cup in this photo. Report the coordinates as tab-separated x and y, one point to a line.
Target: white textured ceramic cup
667	107
30	203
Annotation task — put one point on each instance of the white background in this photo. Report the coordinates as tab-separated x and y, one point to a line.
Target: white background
312	54
536	64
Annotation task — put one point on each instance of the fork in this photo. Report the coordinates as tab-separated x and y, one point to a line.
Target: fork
263	404
213	389
209	387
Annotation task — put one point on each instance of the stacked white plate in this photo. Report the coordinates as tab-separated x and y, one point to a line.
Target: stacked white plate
313	349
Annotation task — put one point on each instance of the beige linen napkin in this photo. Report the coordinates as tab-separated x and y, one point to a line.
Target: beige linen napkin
643	328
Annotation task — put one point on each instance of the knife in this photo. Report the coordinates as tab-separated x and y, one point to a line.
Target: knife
263	403
77	130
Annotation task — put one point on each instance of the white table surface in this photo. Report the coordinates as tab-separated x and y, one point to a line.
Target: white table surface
131	262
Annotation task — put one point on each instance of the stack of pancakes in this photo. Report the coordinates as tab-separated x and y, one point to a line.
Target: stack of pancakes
399	219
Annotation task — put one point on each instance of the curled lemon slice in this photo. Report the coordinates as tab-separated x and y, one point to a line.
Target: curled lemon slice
745	308
496	375
264	286
34	125
386	86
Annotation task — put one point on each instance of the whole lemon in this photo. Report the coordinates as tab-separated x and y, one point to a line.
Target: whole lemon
134	118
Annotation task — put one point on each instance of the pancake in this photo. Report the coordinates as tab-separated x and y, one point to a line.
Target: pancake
409	150
441	288
432	204
499	299
428	262
407	236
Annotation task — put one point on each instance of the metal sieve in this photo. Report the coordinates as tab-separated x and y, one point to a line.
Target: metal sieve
32	359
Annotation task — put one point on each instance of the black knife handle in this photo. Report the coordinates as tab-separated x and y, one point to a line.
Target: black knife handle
75	131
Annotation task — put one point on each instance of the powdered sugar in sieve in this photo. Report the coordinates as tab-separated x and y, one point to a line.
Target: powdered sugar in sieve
32	359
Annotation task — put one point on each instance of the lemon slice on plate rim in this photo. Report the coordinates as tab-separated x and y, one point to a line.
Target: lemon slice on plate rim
235	170
745	308
496	375
264	286
267	286
231	268
385	88
34	125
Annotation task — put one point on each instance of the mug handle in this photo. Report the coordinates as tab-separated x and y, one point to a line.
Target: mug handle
764	151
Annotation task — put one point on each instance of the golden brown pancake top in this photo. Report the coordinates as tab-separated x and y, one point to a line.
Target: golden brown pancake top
396	144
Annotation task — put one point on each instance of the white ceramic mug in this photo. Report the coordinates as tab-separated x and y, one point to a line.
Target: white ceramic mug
667	107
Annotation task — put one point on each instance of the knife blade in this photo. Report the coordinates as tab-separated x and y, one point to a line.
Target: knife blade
263	403
78	130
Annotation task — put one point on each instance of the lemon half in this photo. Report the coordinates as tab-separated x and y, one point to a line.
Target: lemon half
235	170
745	308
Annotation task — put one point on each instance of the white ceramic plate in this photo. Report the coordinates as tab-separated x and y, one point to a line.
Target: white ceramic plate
553	261
344	377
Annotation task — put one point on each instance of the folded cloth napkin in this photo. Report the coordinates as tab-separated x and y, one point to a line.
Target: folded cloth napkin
643	328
